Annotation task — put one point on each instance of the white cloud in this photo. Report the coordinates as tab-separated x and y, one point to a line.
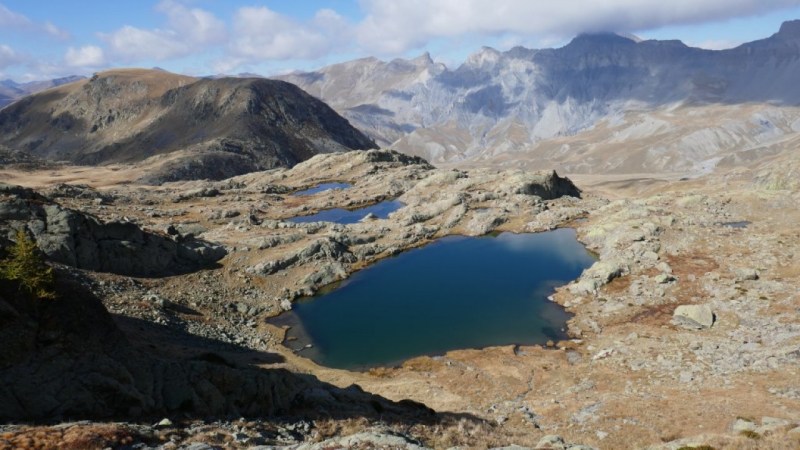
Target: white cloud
56	32
133	44
86	56
393	27
188	31
13	20
10	19
8	57
193	25
260	33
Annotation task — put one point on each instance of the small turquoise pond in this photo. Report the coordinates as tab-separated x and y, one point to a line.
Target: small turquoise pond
458	292
321	188
345	216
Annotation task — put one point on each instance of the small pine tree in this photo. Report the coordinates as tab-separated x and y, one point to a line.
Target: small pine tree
25	265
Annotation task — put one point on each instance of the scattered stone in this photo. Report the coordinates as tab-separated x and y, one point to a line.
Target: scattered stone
573	357
164	423
602	354
693	317
664	278
770	424
551	442
199	446
746	274
743	425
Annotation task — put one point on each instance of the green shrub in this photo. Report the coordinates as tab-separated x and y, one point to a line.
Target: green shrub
26	266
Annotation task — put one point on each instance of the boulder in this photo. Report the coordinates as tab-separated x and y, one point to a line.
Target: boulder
743	425
551	442
746	274
693	317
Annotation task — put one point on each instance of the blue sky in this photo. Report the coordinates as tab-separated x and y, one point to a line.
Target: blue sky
43	39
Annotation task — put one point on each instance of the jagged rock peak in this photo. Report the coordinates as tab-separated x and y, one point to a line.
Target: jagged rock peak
486	55
423	59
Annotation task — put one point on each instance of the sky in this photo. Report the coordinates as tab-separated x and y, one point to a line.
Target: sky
42	39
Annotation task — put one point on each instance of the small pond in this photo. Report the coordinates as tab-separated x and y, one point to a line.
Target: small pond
339	215
458	292
321	188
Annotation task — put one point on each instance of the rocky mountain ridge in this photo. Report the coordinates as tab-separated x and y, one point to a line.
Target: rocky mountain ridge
513	105
201	128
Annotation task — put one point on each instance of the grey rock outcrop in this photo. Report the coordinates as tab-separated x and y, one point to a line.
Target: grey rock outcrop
79	240
548	186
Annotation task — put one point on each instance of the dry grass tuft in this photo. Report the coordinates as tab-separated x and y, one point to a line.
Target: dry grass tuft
94	437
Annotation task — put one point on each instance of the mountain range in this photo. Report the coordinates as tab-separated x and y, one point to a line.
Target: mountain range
604	103
10	90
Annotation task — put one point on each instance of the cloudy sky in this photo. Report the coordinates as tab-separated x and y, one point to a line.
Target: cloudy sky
44	38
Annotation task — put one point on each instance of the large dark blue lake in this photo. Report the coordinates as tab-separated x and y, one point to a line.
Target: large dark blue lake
458	292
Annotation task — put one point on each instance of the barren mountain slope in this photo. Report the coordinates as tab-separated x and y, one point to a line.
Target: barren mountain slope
225	126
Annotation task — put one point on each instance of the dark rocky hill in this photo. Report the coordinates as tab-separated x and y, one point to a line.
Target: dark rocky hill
209	128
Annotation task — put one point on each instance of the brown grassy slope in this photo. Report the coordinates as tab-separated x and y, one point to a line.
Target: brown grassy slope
132	114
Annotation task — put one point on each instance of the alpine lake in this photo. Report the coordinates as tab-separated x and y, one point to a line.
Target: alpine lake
455	293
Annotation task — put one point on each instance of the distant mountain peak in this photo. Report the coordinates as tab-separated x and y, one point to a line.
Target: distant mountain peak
790	29
486	55
605	38
630	36
423	59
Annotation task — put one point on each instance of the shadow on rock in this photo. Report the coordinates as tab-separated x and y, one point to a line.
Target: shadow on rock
68	359
77	239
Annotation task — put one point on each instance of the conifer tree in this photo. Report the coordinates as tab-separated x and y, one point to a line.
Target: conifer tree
26	266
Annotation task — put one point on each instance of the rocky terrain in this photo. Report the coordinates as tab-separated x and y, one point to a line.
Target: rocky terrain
685	332
174	252
227	126
602	104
